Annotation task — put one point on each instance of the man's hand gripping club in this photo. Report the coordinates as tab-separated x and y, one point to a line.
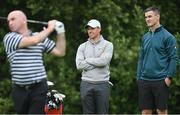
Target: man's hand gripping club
60	47
59	27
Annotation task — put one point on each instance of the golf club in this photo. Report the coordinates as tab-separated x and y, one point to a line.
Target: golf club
29	21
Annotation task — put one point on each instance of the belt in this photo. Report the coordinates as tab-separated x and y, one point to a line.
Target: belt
29	86
95	82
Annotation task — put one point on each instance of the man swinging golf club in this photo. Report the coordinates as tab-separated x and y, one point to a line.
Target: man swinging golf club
25	50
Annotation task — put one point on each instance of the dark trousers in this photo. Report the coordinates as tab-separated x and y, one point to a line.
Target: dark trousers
30	100
95	97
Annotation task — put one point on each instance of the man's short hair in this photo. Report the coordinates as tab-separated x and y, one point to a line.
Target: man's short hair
153	8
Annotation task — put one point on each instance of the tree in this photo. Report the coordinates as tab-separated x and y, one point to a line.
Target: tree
122	23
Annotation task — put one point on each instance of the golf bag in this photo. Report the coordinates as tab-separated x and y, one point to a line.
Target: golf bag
54	102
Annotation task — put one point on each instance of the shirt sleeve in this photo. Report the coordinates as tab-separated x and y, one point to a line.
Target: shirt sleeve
104	59
81	62
172	53
11	41
49	45
140	59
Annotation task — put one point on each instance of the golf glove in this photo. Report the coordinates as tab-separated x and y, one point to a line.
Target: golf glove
59	27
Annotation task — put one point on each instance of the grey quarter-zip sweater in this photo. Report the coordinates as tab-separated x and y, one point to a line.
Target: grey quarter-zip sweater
94	60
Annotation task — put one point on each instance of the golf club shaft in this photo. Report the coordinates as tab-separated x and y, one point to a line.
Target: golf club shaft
29	21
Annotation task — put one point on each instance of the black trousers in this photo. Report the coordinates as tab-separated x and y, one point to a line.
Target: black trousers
95	97
31	99
153	94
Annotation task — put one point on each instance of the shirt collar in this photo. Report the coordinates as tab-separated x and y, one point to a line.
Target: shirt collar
157	29
101	38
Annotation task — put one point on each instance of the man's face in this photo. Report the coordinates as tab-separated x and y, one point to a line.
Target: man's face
15	21
152	18
93	32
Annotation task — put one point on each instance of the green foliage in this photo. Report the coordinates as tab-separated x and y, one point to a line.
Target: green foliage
6	105
122	23
174	89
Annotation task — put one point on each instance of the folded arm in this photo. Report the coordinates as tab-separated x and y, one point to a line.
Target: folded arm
104	58
81	62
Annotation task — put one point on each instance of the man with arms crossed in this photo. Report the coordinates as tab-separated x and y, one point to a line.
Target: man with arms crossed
156	66
25	52
93	58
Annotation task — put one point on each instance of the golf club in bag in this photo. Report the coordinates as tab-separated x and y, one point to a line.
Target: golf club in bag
54	101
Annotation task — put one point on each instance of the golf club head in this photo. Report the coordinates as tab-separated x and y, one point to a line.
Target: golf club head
60	95
50	83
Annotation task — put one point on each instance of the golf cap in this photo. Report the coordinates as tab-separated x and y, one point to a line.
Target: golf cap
93	23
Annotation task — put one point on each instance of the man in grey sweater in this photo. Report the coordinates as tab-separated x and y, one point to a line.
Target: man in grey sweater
93	58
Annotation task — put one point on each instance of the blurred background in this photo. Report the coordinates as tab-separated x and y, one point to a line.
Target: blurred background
122	23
